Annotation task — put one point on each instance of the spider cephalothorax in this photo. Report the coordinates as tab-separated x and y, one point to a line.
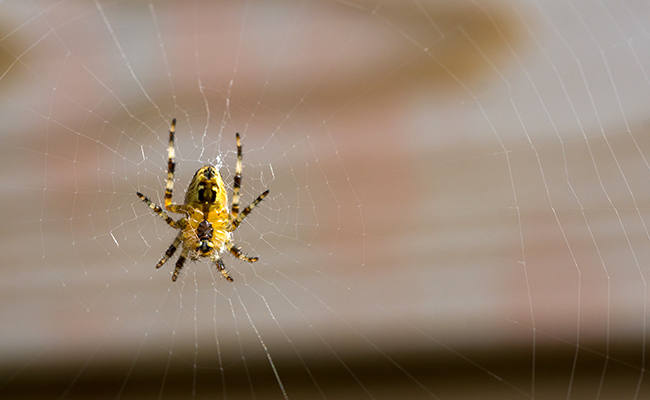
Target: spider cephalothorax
206	230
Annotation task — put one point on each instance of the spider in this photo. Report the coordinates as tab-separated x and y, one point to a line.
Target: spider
206	230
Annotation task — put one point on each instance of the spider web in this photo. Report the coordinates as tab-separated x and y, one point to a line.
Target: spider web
457	209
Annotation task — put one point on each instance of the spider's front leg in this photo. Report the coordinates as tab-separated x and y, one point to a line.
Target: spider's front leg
236	251
221	267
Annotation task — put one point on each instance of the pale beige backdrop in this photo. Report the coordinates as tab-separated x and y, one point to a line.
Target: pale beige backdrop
458	208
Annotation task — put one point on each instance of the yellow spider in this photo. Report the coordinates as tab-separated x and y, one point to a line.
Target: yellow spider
206	230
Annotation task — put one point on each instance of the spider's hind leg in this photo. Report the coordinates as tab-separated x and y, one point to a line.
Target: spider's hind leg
234	209
248	209
155	208
171	166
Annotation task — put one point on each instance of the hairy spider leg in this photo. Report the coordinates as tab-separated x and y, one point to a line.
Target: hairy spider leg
221	267
234	209
248	209
171	166
170	251
180	263
236	251
158	210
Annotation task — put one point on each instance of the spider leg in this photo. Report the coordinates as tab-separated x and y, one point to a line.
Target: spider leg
247	210
180	262
234	210
236	251
221	267
170	251
158	210
171	166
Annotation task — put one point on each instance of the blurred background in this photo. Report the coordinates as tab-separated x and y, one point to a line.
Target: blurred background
458	209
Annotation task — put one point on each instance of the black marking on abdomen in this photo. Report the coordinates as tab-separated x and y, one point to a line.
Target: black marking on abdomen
207	195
